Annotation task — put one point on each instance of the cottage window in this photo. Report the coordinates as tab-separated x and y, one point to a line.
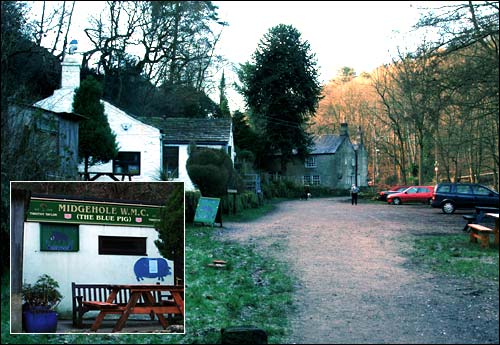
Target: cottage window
314	180
115	245
171	161
310	162
127	163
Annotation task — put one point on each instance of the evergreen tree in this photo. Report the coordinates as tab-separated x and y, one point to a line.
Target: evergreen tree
170	229
211	170
223	102
282	91
96	142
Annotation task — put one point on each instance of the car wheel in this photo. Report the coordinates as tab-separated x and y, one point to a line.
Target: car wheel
448	207
396	201
429	202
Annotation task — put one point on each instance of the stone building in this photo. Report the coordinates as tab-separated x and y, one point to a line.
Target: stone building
335	162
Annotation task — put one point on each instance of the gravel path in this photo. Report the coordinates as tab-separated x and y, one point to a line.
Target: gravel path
355	285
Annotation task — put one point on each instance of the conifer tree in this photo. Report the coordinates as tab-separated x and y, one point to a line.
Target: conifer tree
170	242
282	90
96	141
223	102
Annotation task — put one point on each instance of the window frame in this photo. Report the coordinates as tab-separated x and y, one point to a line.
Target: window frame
173	173
135	161
117	248
310	162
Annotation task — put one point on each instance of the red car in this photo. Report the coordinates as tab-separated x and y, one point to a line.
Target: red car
382	196
420	194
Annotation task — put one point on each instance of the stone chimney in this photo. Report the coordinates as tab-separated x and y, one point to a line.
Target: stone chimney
343	129
70	76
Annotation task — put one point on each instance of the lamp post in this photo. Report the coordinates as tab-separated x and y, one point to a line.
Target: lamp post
375	168
356	165
436	169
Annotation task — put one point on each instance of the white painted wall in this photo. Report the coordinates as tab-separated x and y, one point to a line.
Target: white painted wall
86	265
183	174
136	136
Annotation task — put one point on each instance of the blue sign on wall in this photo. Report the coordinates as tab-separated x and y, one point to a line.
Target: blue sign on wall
151	268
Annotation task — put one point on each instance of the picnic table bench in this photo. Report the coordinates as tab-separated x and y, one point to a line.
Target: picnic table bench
480	232
95	297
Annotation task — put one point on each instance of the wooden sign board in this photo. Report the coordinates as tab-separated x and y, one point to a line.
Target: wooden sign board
84	212
206	211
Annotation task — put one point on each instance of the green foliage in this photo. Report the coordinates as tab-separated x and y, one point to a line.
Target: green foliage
235	203
191	204
29	72
96	141
210	170
282	189
247	139
184	101
282	91
223	102
44	293
170	242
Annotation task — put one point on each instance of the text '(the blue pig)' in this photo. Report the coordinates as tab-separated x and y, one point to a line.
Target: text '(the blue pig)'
151	268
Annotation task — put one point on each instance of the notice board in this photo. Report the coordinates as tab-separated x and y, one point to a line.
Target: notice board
206	211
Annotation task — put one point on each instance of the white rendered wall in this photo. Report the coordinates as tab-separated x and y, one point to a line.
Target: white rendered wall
132	135
86	265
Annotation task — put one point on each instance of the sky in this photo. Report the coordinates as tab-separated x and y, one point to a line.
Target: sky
358	34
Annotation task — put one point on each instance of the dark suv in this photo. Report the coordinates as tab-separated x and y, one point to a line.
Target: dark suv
452	196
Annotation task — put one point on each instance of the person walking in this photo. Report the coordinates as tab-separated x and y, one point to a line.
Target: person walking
354	194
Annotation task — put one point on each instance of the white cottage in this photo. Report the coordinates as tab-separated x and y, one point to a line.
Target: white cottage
91	241
148	146
179	133
139	156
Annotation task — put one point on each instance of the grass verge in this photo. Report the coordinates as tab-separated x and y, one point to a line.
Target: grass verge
250	290
455	255
251	214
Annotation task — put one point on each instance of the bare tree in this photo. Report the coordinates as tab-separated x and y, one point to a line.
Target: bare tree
54	21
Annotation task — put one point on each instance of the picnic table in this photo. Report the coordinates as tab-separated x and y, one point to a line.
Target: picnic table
151	303
478	216
96	175
479	231
495	230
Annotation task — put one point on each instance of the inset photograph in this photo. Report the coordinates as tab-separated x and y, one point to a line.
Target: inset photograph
92	257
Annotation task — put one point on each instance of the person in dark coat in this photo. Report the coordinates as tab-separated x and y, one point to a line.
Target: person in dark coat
354	194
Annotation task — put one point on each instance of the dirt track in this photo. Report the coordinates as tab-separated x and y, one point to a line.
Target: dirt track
356	286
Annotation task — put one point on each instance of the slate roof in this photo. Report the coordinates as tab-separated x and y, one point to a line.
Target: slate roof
327	143
178	130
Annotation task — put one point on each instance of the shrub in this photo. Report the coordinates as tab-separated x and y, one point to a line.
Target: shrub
211	171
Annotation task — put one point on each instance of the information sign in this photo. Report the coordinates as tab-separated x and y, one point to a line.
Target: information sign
206	211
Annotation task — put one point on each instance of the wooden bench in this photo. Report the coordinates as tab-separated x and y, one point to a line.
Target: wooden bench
83	294
480	232
88	297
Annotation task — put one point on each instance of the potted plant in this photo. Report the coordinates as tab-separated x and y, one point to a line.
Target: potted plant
40	300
